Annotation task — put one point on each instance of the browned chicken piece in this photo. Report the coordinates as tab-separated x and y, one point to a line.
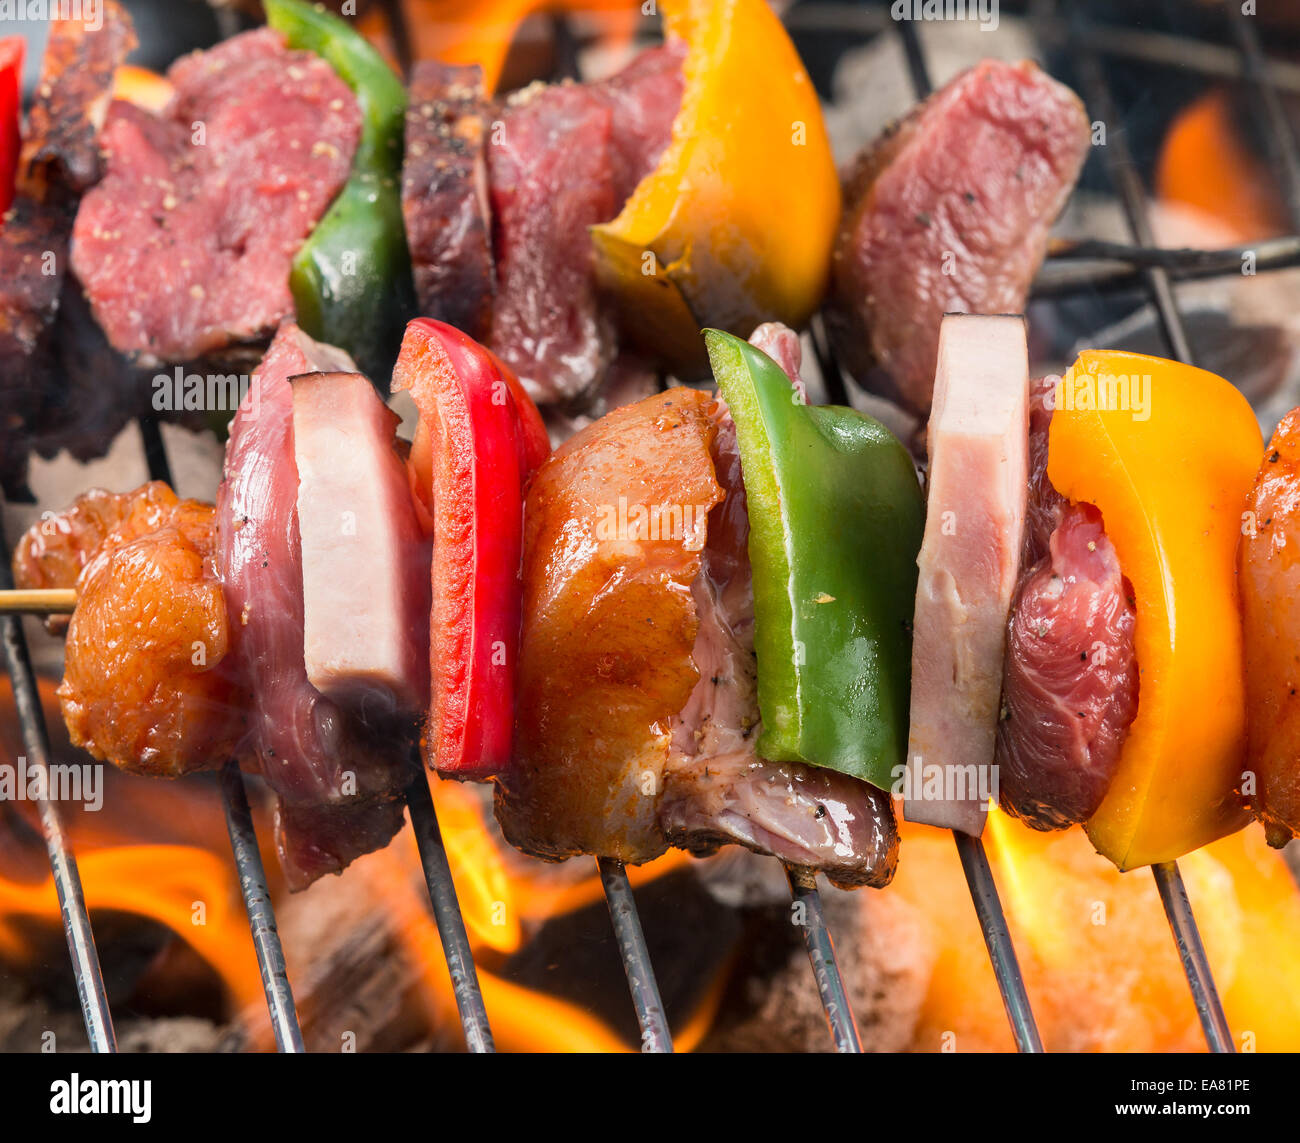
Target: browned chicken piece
1269	566
143	684
55	550
605	661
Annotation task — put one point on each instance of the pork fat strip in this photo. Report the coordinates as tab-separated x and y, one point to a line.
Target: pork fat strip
324	764
969	561
949	211
609	625
365	560
1270	596
716	789
60	160
1070	677
445	195
184	247
566	158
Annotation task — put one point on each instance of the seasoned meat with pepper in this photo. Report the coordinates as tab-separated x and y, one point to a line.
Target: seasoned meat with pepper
184	246
948	212
445	195
1269	567
1070	677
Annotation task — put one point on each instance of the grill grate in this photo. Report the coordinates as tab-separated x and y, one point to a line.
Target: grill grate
1141	264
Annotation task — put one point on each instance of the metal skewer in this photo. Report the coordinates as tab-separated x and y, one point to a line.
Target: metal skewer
446	913
656	1036
261	916
1173	895
1002	953
821	954
63	865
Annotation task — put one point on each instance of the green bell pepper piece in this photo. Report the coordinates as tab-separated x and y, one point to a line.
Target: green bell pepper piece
351	280
836	515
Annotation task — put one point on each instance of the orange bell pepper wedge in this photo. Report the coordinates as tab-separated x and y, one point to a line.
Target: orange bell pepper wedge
735	225
1168	453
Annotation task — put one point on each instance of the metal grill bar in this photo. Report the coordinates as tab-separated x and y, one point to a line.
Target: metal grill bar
997	937
63	865
446	913
821	954
1173	895
656	1036
261	914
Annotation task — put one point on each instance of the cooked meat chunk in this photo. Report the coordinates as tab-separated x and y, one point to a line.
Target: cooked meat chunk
1270	595
365	560
949	212
716	789
54	551
614	525
969	561
314	754
1070	675
184	246
445	195
60	159
146	685
566	157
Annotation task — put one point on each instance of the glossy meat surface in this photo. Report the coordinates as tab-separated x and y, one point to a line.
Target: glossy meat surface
609	626
1269	567
146	684
948	212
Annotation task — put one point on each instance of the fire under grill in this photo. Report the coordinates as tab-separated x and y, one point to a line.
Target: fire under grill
1227	50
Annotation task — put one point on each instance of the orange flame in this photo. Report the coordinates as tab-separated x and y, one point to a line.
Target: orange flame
1100	965
1205	165
482	31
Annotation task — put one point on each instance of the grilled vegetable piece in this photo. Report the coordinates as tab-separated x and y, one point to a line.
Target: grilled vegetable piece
735	224
609	625
146	683
969	561
1070	678
365	562
1270	602
478	443
835	515
351	280
717	789
11	107
948	211
1121	435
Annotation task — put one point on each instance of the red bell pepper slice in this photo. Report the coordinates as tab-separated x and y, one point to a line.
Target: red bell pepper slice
479	441
11	94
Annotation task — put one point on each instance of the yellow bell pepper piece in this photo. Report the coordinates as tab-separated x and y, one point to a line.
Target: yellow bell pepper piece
1168	453
735	224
